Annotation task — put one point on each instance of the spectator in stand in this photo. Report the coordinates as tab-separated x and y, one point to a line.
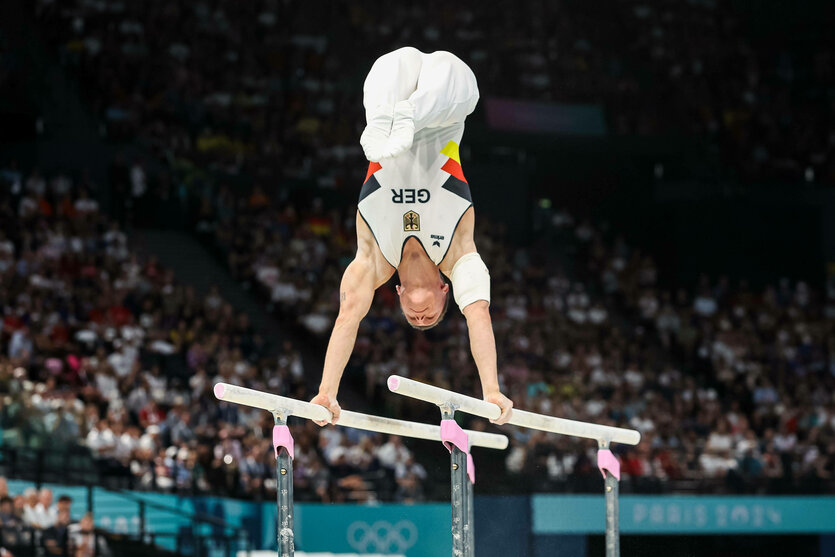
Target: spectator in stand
44	512
56	538
152	414
84	542
30	516
11	526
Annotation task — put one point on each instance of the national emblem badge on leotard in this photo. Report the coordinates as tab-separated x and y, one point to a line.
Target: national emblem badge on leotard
411	222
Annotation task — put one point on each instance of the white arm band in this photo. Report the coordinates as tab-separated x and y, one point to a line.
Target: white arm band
470	280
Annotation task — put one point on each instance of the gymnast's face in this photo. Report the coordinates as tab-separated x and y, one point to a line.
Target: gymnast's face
423	306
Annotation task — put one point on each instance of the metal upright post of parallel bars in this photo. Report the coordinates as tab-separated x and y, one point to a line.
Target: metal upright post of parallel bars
607	463
284	454
462	475
609	466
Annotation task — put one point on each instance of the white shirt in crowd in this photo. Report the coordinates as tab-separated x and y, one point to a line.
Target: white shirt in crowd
29	515
330	440
45	517
101	442
138	187
117	243
87	206
158	386
27	206
285	292
785	442
719	442
20	343
391	454
705	305
7	248
121	362
108	386
125	445
404	469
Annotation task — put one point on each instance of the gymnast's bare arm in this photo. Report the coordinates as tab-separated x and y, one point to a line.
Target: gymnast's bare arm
479	324
483	347
367	272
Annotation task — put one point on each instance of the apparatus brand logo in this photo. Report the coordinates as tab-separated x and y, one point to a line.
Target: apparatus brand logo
437	239
382	536
411	222
409	195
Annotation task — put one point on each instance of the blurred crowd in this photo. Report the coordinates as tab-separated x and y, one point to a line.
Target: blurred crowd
261	89
731	385
30	520
102	346
724	381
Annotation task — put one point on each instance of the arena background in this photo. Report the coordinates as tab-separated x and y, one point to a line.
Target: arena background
654	187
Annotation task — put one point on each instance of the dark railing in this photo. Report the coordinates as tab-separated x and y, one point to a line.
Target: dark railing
230	536
25	541
75	465
71	464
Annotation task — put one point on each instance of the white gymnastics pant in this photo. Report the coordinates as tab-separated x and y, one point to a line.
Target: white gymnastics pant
442	88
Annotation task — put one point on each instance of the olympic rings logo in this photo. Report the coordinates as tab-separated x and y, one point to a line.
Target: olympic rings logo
382	536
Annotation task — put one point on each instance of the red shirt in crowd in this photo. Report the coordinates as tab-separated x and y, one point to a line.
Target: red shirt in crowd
119	315
151	415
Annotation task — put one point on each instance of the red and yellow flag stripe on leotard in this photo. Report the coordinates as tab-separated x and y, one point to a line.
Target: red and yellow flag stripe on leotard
453	165
372	168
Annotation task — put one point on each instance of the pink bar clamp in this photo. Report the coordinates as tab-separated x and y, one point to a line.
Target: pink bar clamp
453	436
283	438
607	462
471	468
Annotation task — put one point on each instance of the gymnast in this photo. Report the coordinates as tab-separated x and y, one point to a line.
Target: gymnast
415	213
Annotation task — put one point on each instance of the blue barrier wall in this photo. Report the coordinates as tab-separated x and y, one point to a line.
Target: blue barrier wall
412	530
538	526
561	514
503	526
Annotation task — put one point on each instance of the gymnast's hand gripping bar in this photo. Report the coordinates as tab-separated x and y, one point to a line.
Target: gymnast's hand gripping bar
476	407
292	407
